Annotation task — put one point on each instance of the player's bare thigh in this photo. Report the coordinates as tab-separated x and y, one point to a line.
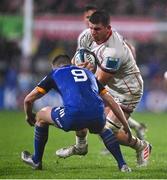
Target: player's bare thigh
44	116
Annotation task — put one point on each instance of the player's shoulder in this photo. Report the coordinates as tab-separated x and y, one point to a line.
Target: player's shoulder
115	38
115	32
115	44
84	36
85	32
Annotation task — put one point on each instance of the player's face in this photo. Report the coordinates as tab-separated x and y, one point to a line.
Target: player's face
99	32
87	15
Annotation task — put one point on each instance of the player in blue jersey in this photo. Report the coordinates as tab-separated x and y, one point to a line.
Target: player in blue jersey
83	107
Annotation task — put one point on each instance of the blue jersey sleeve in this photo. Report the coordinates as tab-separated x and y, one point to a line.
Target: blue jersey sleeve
47	83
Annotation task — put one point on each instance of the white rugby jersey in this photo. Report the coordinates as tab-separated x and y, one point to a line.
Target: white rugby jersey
115	57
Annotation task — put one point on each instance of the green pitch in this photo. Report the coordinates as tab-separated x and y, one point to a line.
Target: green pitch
16	135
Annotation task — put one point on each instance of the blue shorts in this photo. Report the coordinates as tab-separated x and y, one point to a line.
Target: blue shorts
70	120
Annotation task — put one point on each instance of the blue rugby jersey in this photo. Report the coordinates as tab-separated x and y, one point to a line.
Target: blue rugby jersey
77	86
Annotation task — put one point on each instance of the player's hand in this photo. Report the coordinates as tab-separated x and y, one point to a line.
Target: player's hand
31	119
83	65
128	131
87	65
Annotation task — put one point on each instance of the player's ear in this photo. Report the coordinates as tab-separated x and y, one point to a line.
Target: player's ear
108	27
73	60
53	66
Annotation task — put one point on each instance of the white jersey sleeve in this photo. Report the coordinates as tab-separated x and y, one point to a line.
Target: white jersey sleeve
110	63
85	39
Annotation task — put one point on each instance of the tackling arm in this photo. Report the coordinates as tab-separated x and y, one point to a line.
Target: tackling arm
109	100
28	105
102	76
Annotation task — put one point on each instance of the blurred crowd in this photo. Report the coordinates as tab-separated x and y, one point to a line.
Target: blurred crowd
17	77
153	8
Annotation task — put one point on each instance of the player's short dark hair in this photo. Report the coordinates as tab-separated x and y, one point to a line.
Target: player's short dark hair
102	17
89	7
61	60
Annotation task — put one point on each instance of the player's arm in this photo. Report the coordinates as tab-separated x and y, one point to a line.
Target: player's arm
42	88
103	76
108	99
28	105
108	67
114	106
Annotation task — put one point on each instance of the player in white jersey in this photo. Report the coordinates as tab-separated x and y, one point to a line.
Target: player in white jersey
116	62
116	47
139	128
117	70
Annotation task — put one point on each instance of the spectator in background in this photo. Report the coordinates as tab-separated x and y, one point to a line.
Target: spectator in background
88	11
10	90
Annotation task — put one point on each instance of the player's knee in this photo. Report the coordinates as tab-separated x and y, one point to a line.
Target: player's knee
40	121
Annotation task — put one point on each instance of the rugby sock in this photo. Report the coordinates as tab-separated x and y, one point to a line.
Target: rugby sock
40	139
139	128
81	142
113	146
133	124
138	144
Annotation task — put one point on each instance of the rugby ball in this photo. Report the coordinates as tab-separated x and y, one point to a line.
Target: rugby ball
84	55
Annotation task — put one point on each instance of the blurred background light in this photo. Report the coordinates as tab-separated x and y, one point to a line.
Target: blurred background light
33	32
